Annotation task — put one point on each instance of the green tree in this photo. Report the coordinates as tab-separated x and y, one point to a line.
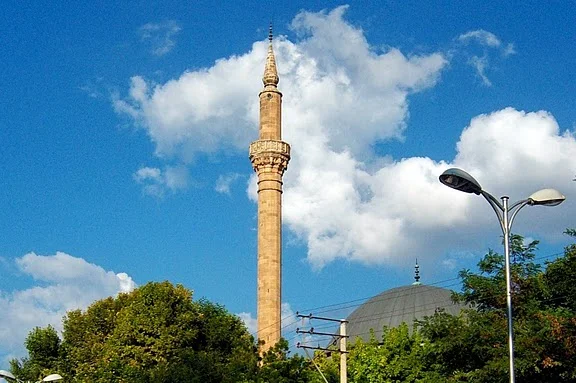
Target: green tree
556	321
473	346
43	345
544	321
279	367
397	357
487	290
560	277
156	333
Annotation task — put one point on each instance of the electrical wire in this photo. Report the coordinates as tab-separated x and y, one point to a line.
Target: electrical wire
288	322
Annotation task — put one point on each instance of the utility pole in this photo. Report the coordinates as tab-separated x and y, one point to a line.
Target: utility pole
341	337
343	367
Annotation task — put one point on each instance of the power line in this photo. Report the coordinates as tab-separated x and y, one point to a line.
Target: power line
355	302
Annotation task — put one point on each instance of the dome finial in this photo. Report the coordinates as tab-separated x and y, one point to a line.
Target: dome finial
416	274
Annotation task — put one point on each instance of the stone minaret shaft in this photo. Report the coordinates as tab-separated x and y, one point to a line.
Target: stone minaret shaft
270	156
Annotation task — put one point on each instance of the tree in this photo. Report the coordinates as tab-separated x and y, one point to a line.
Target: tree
156	333
397	357
486	290
472	347
43	345
560	276
544	321
279	367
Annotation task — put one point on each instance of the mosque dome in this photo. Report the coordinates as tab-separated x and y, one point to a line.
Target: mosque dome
399	305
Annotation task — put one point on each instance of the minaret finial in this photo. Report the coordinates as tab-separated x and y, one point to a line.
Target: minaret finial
270	35
416	274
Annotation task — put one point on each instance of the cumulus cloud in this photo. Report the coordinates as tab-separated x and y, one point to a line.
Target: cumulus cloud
405	210
489	42
342	97
156	182
159	36
64	283
206	110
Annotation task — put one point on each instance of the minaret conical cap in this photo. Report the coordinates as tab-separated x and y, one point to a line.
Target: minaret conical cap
270	72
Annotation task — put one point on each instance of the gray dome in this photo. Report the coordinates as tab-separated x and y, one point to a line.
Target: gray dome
395	306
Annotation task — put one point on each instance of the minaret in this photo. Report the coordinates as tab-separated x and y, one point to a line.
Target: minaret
270	156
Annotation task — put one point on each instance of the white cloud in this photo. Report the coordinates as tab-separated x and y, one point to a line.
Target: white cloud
501	143
480	64
64	283
341	97
509	50
407	211
206	110
94	88
126	283
225	181
489	41
159	36
289	320
155	181
482	37
176	177
250	322
147	173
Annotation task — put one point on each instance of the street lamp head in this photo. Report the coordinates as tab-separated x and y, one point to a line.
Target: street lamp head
6	374
546	197
52	378
49	378
460	180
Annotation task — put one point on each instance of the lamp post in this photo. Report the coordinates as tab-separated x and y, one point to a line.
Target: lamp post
50	378
460	180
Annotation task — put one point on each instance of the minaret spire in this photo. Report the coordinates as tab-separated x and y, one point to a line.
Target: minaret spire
270	78
269	156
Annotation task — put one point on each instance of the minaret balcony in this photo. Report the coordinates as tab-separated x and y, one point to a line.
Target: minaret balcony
269	155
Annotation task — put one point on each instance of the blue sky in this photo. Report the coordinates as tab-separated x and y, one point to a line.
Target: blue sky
124	132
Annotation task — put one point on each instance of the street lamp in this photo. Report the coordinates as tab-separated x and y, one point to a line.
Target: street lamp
50	378
460	180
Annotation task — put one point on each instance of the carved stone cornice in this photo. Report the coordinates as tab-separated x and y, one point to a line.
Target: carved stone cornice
270	155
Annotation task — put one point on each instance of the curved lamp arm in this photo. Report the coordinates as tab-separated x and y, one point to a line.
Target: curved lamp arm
518	206
497	207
